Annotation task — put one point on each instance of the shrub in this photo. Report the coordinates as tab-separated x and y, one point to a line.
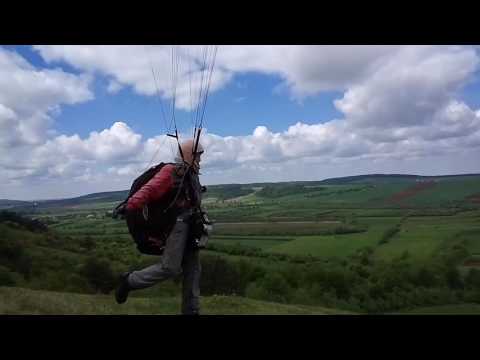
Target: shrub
388	234
276	287
472	280
14	256
27	223
220	277
6	277
99	274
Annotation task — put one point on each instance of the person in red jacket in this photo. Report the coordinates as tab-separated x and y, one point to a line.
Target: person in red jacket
179	185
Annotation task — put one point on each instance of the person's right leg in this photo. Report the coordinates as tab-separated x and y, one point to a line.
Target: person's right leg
191	281
170	263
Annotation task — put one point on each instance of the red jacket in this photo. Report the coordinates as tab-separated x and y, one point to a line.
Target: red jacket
158	186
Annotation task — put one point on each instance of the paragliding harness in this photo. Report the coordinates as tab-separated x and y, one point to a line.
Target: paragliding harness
200	228
151	226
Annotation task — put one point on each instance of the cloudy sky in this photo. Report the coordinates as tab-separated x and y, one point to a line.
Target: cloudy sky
82	119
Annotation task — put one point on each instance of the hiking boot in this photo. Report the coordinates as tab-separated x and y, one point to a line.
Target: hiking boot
121	294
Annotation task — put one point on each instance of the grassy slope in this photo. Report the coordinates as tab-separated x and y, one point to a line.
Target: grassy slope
25	301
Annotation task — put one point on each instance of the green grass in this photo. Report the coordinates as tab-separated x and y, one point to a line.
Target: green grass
472	240
445	192
19	234
422	237
365	213
266	263
456	309
335	195
334	245
271	228
109	205
15	300
262	242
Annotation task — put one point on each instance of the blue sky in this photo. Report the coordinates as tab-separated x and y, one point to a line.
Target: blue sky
248	101
278	113
238	109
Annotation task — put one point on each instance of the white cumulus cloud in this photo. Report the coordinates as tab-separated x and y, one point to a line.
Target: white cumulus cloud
401	108
29	96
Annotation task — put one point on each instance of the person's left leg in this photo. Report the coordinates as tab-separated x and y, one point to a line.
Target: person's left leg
170	264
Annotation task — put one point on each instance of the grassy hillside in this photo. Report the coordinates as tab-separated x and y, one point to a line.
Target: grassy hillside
15	300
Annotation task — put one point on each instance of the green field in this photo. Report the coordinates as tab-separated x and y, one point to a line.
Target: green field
472	240
422	237
419	235
335	245
277	228
262	242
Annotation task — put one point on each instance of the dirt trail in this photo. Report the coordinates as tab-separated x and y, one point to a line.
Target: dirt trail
411	191
475	198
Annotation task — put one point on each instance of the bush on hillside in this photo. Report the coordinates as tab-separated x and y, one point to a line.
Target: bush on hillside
29	224
99	274
6	277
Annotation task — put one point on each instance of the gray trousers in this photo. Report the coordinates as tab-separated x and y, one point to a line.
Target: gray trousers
179	257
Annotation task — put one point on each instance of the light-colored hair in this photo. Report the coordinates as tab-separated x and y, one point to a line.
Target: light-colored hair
187	147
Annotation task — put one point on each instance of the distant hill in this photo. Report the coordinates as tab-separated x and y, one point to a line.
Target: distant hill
6	204
102	197
228	191
90	199
392	178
